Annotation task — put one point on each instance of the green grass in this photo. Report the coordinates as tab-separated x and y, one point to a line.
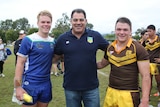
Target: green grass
6	86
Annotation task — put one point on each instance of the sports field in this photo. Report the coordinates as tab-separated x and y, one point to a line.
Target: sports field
6	85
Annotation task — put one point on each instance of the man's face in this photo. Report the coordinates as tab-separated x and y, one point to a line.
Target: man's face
122	31
44	24
78	22
151	32
145	36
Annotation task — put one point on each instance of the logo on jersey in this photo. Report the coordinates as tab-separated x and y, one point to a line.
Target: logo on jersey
90	39
26	83
111	52
128	52
51	45
67	42
39	46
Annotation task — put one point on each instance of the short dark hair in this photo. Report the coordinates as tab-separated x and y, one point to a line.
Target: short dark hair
78	11
143	32
151	27
124	20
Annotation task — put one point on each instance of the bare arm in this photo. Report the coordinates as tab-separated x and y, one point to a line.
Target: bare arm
103	63
56	58
157	60
146	82
18	77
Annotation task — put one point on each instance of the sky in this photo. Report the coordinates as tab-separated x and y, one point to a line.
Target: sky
101	13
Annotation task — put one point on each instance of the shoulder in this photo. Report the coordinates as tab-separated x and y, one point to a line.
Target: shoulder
31	36
64	35
140	50
18	41
50	39
138	45
93	32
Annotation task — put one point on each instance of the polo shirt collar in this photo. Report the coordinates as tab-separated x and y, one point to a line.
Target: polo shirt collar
85	32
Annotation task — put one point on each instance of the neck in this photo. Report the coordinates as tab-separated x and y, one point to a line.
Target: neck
77	34
122	44
43	35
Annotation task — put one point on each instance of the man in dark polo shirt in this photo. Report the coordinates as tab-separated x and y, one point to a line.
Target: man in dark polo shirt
17	43
79	47
127	58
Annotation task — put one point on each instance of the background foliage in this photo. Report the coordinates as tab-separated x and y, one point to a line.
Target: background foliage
9	29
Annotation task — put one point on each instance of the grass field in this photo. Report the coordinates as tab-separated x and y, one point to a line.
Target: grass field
6	85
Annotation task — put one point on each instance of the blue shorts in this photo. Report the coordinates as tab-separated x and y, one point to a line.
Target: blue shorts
39	92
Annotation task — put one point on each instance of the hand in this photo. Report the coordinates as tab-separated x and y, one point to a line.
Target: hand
157	60
143	104
19	93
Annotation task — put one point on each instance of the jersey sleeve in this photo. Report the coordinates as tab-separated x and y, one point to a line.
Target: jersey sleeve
141	52
26	46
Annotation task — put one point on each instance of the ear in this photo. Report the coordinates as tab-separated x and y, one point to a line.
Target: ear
86	20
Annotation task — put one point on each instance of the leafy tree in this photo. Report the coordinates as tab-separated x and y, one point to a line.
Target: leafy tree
62	25
11	35
110	37
2	36
32	30
139	31
136	37
6	25
89	26
20	24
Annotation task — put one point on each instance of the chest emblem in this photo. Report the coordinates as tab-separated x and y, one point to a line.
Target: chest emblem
128	52
90	39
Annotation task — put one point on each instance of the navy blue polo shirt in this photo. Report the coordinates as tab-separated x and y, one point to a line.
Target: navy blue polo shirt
80	59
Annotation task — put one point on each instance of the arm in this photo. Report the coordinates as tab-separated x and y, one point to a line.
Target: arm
2	47
18	77
56	58
146	82
157	60
103	63
16	47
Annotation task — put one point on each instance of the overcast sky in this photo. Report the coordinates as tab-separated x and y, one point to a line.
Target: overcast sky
101	13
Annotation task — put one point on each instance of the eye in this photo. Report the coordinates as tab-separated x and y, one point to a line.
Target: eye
81	20
75	20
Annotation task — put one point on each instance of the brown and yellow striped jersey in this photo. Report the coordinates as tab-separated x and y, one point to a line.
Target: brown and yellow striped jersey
124	69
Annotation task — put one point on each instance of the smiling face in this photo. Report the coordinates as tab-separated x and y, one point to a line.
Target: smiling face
44	21
122	31
78	22
44	24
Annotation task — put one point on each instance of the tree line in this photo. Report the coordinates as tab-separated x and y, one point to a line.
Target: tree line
9	29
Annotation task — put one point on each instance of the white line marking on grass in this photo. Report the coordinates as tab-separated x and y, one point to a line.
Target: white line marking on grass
102	73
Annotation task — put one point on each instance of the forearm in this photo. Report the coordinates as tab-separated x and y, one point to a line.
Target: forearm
18	74
17	82
157	60
17	79
56	58
146	86
101	64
